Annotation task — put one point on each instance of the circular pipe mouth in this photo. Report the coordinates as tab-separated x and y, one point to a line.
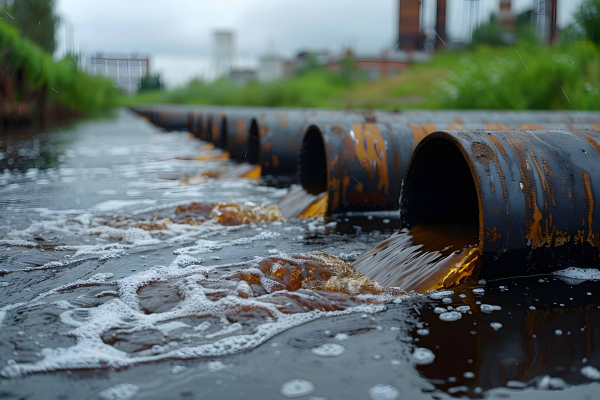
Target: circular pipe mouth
254	154
313	162
440	194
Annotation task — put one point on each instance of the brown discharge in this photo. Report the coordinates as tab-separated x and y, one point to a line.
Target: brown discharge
243	170
231	213
298	203
207	147
214	157
313	271
224	213
425	258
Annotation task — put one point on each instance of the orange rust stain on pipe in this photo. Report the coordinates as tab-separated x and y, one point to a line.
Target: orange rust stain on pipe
263	131
267	146
491	155
371	153
545	184
496	127
589	139
457	124
275	160
587	195
492	235
240	131
420	131
531	126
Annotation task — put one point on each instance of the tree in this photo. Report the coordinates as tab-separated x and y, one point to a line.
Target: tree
151	82
588	19
35	20
490	34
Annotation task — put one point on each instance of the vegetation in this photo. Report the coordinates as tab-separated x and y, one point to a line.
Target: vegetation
61	82
34	19
498	71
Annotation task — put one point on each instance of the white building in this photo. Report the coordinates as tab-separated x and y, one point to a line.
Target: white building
271	67
126	71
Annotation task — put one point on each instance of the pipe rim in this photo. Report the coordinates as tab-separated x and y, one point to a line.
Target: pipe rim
446	136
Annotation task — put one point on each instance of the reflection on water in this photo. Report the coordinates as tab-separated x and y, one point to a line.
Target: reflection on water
423	259
543	334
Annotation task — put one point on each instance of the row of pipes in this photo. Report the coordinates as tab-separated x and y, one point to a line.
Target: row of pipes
526	184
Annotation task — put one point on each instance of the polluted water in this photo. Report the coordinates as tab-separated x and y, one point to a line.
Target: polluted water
117	281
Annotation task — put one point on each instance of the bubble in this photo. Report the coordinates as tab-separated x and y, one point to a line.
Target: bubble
450	316
422	356
297	388
488	309
341	336
215	366
496	325
384	392
329	350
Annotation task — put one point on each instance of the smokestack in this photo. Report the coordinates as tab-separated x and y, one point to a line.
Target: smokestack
551	18
505	17
409	35
440	24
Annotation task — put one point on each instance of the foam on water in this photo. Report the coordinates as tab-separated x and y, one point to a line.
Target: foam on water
216	311
579	273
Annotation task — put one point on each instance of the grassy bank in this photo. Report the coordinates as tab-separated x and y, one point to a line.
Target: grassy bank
481	78
61	83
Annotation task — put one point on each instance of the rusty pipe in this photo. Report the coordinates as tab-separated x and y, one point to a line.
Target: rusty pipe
355	176
529	197
359	164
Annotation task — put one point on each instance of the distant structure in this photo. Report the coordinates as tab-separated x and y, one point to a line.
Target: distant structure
544	15
383	65
272	67
224	54
505	17
242	76
126	71
410	37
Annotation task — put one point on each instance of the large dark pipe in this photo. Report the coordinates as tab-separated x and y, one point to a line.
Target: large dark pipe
530	197
359	164
275	138
236	129
194	123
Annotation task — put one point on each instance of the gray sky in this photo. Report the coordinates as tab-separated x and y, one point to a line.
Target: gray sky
177	34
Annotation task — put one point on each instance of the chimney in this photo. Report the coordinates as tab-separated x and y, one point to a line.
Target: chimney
440	24
506	18
409	35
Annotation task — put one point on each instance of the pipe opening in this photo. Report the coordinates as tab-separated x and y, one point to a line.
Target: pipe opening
440	195
223	133
313	162
253	155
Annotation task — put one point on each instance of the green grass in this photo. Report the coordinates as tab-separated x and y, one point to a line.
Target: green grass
481	78
62	82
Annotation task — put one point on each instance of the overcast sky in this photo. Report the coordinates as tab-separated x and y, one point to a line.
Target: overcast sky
178	34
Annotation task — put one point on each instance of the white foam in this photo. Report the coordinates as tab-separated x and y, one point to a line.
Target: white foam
422	356
112	205
297	388
341	336
384	392
590	373
579	273
450	316
216	366
124	315
329	350
496	325
488	309
437	295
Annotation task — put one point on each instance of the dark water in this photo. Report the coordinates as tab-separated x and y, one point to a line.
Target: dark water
108	291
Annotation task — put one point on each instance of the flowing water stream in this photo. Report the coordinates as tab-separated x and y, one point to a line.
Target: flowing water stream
136	263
